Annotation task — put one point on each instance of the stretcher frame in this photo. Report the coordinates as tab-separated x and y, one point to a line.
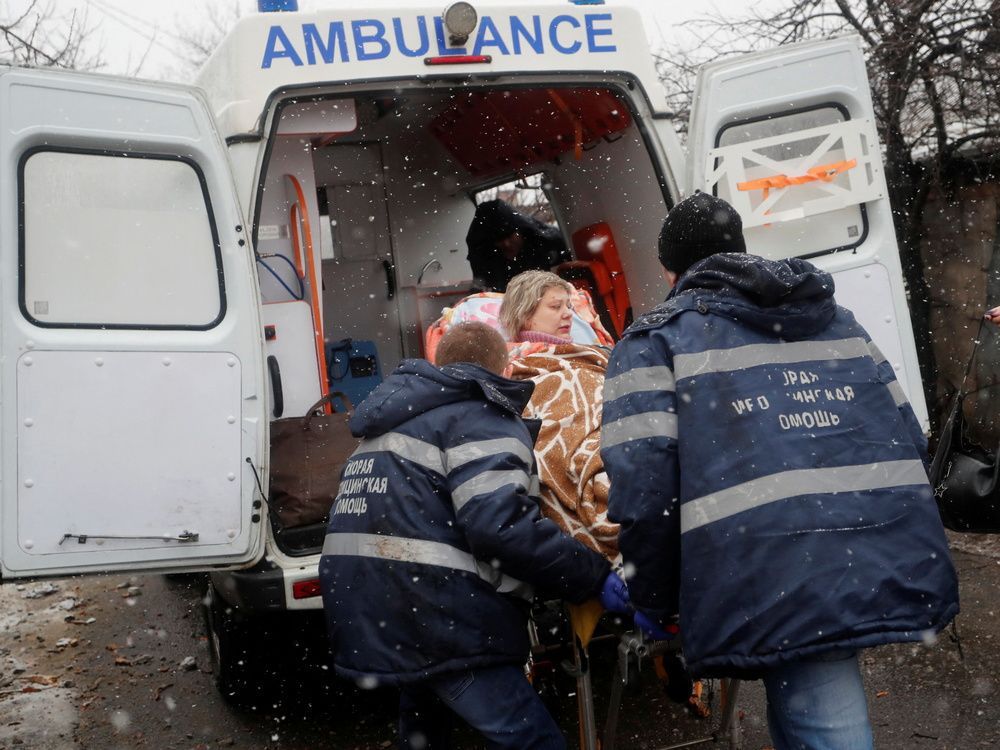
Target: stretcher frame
633	648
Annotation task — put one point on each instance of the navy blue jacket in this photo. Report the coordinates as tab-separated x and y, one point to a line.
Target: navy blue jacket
435	537
769	473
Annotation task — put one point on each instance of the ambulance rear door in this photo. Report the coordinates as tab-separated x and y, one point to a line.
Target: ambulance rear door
132	419
788	137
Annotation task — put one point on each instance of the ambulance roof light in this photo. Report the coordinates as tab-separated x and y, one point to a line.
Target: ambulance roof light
460	19
271	6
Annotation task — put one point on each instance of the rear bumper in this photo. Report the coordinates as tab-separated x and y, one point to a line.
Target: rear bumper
267	587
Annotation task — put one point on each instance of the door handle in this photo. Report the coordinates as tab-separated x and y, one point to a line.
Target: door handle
390	277
279	398
184	536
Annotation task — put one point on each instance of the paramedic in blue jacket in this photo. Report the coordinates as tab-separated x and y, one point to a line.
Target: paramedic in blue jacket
769	477
435	543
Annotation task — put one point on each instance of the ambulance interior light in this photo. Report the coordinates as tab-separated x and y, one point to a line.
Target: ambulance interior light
460	19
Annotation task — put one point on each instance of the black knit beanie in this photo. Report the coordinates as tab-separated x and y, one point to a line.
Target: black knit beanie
697	227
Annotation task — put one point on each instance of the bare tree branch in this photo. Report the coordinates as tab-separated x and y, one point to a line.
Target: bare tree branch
197	42
934	67
40	36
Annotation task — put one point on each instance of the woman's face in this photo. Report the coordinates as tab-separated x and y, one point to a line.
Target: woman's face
553	314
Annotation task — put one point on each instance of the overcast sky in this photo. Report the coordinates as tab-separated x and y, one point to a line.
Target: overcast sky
142	36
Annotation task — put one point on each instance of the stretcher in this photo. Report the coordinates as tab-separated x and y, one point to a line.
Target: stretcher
634	652
713	700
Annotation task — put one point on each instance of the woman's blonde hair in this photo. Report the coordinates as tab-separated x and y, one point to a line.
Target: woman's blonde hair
523	294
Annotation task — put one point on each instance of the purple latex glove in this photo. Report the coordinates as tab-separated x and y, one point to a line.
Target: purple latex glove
614	595
653	630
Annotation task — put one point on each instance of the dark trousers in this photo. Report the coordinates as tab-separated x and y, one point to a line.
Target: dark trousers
498	702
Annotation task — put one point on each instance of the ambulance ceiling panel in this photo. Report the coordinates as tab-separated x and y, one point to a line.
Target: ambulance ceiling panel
500	131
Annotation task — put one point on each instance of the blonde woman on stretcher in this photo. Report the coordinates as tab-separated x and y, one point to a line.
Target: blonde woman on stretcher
537	314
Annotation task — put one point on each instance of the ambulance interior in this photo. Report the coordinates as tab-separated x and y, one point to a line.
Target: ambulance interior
366	200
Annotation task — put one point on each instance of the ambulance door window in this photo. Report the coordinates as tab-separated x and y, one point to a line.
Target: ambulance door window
528	196
795	161
117	241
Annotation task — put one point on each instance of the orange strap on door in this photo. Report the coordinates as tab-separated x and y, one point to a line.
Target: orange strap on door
296	245
300	213
823	173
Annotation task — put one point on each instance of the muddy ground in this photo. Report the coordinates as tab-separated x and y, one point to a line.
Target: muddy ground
122	662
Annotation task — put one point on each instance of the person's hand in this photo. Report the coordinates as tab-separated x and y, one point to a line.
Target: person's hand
993	316
614	595
653	630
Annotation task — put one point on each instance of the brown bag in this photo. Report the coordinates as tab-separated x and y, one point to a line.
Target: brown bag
307	456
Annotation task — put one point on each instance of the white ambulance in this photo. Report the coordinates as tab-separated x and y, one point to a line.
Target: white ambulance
180	266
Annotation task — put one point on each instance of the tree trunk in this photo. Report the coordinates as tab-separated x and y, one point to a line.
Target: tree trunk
909	184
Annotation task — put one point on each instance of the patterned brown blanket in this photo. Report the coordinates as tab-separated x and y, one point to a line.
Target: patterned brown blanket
569	379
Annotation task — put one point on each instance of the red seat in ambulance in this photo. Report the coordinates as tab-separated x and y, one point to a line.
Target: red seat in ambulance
598	270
